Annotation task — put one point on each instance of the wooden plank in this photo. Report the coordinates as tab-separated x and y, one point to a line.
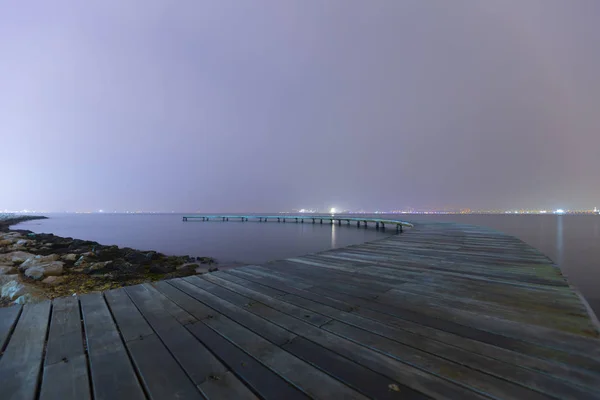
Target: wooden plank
186	302
305	377
130	322
112	373
407	355
198	362
226	386
65	339
162	377
21	363
250	285
180	315
8	319
468	331
396	370
65	367
364	380
262	380
529	377
159	372
272	283
298	312
66	380
262	327
486	384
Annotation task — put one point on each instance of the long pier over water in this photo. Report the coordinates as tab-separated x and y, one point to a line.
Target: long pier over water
440	311
331	219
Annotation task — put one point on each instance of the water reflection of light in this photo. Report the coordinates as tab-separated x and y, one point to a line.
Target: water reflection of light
333	236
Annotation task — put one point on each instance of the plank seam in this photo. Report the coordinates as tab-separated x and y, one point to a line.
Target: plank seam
161	341
11	331
85	350
135	369
40	377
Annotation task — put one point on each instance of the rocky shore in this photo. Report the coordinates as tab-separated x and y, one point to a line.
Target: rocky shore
35	267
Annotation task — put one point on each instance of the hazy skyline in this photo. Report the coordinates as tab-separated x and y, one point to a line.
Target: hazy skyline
275	105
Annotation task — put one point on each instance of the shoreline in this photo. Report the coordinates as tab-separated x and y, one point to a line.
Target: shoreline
40	266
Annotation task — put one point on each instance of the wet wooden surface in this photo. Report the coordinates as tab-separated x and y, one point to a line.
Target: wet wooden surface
440	311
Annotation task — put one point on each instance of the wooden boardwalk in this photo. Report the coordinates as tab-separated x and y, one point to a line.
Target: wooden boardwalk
441	311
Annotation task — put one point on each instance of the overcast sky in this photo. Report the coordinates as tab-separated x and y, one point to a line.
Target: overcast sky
274	105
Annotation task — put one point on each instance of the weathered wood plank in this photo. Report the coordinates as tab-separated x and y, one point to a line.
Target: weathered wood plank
470	332
362	317
159	372
198	362
66	380
65	367
20	366
185	301
262	380
112	373
8	319
305	377
130	322
263	327
298	312
418	380
364	380
65	339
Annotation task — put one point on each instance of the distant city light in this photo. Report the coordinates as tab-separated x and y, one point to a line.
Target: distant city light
332	210
559	211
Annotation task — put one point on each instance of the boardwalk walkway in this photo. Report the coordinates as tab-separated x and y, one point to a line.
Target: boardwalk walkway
440	311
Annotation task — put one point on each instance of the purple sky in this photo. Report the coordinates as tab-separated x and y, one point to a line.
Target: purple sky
273	105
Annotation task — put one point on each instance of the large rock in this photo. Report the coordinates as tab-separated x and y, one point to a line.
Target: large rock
8	270
15	257
38	260
36	273
54	268
100	267
11	288
70	257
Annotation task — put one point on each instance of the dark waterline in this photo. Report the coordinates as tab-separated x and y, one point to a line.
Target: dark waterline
573	242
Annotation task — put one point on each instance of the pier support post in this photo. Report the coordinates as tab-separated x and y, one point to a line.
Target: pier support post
260	220
377	225
184	219
397	228
284	219
365	224
321	221
302	220
296	220
383	226
358	224
266	219
278	219
339	222
313	220
223	219
348	222
331	221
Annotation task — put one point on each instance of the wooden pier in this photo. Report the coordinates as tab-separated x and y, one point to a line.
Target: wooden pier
331	219
441	311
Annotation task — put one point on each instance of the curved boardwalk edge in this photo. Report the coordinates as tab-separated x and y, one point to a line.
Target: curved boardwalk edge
440	311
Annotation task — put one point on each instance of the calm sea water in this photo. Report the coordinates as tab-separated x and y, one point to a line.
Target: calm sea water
573	242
